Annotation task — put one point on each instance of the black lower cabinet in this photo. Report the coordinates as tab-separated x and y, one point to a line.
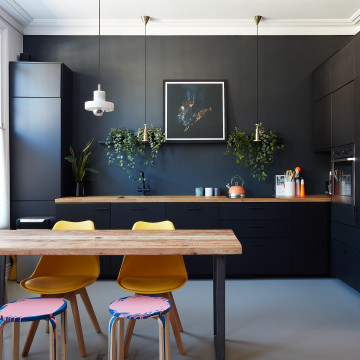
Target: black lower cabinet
195	216
99	213
346	264
311	239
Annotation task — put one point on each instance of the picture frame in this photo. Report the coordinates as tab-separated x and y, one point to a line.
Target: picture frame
195	111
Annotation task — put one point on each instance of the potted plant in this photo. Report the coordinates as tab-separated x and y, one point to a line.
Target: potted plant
255	155
125	146
80	166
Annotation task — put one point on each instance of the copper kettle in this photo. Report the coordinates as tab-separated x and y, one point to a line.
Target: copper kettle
236	190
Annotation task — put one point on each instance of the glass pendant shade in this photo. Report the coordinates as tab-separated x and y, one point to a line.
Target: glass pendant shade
99	105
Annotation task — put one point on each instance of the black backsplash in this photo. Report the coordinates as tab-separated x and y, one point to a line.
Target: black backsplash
285	102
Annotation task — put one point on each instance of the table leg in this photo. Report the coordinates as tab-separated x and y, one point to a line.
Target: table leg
2	279
219	306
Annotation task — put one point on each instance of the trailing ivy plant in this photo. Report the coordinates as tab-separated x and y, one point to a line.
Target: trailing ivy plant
125	146
255	155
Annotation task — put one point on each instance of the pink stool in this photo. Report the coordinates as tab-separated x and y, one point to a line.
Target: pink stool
35	309
139	307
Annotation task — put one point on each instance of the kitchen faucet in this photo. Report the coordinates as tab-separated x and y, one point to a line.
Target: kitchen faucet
143	188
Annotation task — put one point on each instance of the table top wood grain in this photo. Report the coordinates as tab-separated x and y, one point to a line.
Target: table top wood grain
119	242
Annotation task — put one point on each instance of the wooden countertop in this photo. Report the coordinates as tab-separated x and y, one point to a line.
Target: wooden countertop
119	242
183	198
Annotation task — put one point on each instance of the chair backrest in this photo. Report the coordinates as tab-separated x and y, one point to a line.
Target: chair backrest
152	265
68	265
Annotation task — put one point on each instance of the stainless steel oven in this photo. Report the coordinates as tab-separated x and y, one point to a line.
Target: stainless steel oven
343	174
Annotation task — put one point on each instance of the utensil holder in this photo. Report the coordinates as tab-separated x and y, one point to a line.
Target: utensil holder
289	188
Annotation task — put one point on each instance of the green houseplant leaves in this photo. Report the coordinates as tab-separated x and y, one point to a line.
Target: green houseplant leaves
255	155
125	146
79	166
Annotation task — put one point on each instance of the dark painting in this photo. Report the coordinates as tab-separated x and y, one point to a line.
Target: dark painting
194	110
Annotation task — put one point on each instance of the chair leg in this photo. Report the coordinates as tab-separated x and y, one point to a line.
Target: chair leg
112	337
2	324
85	298
15	339
129	332
120	343
75	310
33	327
64	336
161	337
175	327
167	337
171	298
53	339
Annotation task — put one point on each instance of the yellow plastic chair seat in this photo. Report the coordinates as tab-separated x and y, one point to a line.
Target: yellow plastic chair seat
57	284
152	285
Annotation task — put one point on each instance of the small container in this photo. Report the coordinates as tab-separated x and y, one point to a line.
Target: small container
289	188
297	187
199	191
208	191
302	188
216	191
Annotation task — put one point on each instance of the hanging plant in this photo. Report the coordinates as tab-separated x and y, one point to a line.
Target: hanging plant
255	155
125	146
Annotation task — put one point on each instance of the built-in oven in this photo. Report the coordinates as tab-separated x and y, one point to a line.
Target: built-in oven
343	174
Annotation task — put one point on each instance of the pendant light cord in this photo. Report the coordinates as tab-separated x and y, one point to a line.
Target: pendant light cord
145	74
257	73
99	48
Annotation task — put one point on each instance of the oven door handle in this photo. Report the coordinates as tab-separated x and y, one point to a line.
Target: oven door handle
344	159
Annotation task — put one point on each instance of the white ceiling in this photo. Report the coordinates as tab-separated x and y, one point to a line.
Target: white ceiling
183	17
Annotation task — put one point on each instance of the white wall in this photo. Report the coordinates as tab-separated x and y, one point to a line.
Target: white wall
11	44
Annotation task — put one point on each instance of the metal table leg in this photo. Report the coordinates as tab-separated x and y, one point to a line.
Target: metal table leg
219	306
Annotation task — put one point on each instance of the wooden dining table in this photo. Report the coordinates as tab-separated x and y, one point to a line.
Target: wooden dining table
218	243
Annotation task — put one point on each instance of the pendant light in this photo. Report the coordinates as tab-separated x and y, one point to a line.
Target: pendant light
145	20
257	19
99	105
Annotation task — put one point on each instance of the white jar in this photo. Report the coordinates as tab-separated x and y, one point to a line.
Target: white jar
289	188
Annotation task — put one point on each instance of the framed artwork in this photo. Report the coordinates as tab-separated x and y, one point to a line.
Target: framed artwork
194	111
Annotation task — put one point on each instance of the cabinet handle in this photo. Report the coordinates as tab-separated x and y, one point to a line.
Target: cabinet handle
256	226
193	209
256	208
139	209
101	209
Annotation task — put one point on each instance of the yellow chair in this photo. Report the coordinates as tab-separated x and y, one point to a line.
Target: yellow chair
154	274
65	276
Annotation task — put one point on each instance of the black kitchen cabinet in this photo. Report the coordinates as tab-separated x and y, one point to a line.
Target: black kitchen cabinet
343	115
321	81
195	216
357	55
99	213
125	215
357	147
311	239
343	65
40	133
322	124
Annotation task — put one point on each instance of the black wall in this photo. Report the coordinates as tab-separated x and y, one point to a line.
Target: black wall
285	102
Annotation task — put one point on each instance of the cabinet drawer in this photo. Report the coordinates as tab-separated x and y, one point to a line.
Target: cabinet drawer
124	216
193	215
255	211
99	213
261	256
345	234
258	228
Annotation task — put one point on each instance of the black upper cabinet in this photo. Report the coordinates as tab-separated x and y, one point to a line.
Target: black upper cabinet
343	115
40	130
357	149
343	66
321	81
322	124
357	55
30	79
